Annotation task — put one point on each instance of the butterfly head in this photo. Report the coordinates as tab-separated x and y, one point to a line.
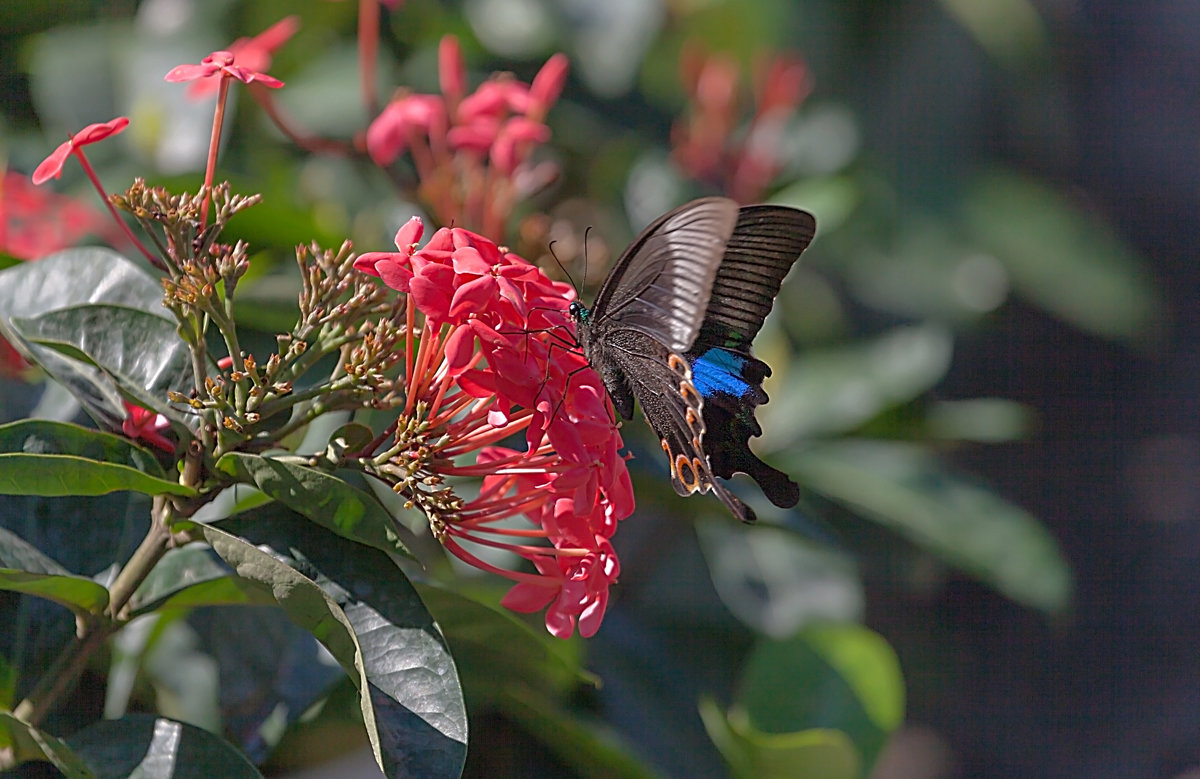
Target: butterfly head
578	312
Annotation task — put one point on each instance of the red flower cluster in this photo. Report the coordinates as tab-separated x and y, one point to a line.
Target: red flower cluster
34	222
470	151
706	142
493	360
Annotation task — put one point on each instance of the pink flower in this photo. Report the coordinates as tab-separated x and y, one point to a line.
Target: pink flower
470	150
144	425
51	167
221	63
252	54
493	358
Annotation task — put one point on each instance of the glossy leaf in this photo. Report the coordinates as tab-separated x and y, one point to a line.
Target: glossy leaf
75	277
904	488
371	619
325	499
149	746
40	457
139	351
26	743
1062	258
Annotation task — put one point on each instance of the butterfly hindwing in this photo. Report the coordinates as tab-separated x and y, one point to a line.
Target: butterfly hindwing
662	382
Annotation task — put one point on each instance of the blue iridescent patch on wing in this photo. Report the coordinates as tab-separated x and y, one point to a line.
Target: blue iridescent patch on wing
720	370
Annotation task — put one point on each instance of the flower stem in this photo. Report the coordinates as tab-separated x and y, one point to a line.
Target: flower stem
91	174
368	47
213	145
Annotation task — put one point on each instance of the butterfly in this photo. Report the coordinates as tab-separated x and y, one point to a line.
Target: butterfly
672	327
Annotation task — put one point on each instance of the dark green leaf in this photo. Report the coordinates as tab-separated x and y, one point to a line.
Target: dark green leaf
191	577
904	487
325	499
17	553
484	638
58	474
1064	259
27	743
591	749
75	276
143	745
41	436
368	615
79	594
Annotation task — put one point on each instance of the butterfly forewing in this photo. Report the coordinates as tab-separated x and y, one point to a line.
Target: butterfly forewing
662	283
762	249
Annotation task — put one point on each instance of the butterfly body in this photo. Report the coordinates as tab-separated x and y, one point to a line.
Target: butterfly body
672	327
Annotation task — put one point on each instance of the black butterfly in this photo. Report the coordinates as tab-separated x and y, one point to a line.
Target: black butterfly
672	327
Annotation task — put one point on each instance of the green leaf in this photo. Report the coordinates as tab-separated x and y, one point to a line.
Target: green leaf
78	593
843	677
140	351
27	744
325	499
142	745
370	618
817	753
52	475
71	278
1063	259
40	436
191	577
839	389
85	275
903	487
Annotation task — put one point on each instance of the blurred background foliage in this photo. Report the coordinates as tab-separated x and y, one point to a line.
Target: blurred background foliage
996	322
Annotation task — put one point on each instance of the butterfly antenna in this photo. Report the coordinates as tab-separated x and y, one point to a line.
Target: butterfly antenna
586	232
562	267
